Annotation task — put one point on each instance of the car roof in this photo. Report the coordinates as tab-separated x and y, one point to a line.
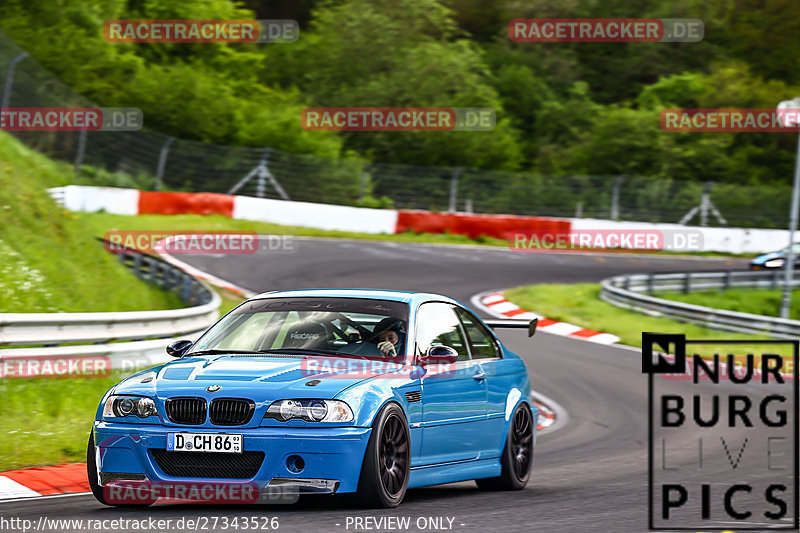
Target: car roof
377	294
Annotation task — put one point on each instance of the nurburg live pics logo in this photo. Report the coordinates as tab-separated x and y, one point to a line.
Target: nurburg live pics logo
722	433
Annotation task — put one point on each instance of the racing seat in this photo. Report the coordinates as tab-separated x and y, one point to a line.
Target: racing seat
307	335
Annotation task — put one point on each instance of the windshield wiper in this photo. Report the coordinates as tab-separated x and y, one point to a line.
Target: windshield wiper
218	352
303	351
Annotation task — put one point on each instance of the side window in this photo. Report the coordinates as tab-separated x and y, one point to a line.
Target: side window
480	340
438	324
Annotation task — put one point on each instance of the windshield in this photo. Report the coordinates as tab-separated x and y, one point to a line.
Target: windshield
334	326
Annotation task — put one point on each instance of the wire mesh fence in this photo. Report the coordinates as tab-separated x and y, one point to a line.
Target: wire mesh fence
149	159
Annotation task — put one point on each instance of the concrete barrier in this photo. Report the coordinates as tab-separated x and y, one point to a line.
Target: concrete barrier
389	221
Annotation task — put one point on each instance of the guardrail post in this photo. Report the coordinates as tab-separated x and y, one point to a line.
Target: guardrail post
148	262
650	284
174	278
687	283
193	292
727	282
626	283
186	290
203	297
137	265
157	272
775	279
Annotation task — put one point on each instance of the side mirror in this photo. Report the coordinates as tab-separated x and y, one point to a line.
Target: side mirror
439	354
178	348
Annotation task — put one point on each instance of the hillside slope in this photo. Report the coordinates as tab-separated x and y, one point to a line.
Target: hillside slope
49	260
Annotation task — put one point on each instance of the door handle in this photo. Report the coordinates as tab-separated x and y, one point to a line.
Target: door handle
479	376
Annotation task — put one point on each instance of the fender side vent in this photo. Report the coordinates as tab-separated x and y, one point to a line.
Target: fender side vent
413	396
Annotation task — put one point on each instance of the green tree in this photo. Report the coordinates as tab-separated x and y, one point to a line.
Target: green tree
391	53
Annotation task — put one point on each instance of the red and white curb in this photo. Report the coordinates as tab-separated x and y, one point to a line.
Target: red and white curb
496	304
44	481
546	416
197	273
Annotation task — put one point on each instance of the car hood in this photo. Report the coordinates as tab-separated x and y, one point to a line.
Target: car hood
260	378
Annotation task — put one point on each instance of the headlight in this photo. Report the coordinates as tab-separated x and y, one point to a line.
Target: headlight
310	410
774	263
122	406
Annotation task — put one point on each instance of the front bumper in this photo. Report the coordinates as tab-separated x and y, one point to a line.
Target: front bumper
331	457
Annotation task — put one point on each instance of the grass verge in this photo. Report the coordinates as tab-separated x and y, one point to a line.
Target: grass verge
757	301
47	421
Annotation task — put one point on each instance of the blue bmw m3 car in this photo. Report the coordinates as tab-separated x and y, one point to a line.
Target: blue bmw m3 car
364	393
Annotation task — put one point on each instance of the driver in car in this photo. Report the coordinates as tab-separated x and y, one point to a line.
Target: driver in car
386	339
389	336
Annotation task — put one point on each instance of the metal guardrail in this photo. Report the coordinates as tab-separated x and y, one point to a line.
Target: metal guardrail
630	292
46	334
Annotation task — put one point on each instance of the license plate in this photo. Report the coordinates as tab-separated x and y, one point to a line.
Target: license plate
204	442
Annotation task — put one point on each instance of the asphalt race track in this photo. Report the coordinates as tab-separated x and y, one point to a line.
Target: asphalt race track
589	475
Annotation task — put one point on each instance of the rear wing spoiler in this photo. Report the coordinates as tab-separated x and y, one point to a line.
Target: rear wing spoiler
530	326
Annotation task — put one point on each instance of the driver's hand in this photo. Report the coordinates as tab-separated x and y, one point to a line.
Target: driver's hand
387	348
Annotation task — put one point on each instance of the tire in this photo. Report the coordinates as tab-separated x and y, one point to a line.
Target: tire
97	490
517	458
387	462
